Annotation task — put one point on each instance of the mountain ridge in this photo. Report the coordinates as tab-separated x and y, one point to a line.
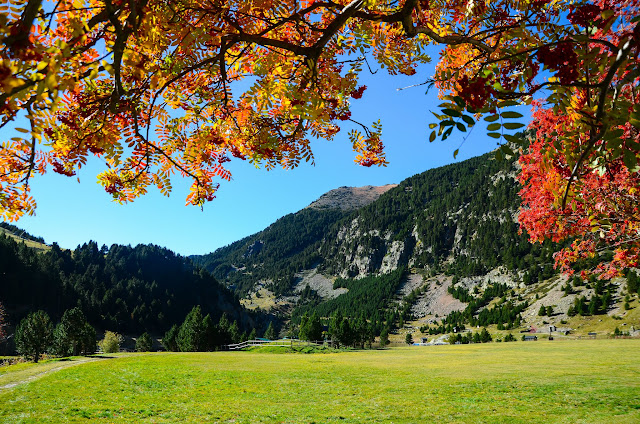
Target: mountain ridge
350	198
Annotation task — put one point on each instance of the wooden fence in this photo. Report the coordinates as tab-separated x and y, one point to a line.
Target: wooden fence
278	343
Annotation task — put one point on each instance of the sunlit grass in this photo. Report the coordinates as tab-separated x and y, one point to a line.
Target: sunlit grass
568	381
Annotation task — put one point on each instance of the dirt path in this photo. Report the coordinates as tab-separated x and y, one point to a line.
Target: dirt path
16	378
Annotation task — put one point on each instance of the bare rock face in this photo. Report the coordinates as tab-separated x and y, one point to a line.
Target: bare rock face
350	198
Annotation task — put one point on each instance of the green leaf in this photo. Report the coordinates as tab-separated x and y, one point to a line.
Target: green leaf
633	145
492	118
432	137
455	153
511	115
512	125
432	126
451	112
507	103
613	134
469	120
506	150
631	161
494	135
494	127
461	126
499	155
513	139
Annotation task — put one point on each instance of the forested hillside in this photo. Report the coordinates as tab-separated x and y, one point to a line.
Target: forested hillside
121	288
458	219
447	234
275	254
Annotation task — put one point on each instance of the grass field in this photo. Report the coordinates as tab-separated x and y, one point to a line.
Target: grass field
568	382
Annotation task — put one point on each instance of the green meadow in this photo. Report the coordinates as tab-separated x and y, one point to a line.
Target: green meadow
595	381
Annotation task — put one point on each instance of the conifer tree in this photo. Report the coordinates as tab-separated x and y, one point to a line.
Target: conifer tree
34	335
408	339
270	332
192	335
384	337
74	335
169	339
144	343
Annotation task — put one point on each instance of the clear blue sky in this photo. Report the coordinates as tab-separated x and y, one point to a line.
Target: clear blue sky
70	213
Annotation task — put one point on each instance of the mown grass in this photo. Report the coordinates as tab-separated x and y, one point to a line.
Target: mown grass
537	382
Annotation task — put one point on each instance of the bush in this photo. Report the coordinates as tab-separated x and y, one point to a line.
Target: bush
509	338
111	342
34	335
144	343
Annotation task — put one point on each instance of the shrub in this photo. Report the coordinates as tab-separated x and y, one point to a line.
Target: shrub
408	339
111	342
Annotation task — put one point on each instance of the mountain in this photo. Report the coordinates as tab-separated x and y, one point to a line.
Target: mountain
457	218
350	198
119	288
443	244
441	250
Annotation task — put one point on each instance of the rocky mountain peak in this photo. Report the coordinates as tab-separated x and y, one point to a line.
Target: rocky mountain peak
350	198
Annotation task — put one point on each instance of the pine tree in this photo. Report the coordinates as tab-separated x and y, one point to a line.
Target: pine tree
144	343
74	335
408	339
34	335
384	337
303	332
270	332
169	339
234	332
253	334
192	335
485	337
315	328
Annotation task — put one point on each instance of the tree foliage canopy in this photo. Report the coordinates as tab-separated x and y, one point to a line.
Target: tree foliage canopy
257	80
34	335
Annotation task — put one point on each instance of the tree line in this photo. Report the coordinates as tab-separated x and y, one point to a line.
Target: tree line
73	335
120	288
